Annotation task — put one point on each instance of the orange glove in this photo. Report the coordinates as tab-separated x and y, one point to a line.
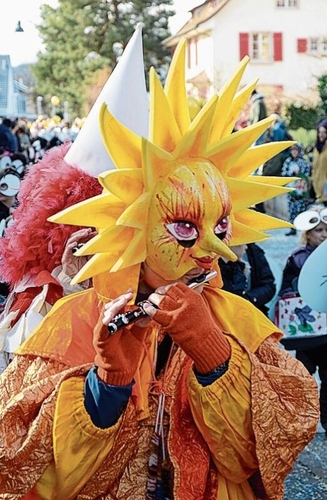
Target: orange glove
117	356
183	314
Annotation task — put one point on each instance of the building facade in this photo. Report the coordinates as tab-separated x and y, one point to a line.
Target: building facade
285	39
14	94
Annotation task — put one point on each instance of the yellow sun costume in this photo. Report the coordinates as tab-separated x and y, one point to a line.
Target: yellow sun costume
176	201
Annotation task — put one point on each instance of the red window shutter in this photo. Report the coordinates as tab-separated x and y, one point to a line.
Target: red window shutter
278	46
302	45
244	45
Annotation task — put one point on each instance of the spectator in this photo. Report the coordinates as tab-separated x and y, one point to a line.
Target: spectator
250	276
23	139
302	326
258	111
36	256
277	132
319	166
8	141
296	166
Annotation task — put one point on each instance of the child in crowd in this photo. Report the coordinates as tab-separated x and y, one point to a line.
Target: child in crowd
304	330
296	166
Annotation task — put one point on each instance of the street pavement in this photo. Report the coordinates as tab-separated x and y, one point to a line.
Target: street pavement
308	480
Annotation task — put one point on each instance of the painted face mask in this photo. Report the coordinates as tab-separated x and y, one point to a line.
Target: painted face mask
189	223
178	199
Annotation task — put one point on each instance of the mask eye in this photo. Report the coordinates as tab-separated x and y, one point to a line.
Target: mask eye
323	215
185	232
222	227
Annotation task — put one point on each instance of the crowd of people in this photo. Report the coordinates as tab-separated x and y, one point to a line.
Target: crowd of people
195	396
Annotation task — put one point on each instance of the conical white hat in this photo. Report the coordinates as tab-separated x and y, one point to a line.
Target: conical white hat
126	97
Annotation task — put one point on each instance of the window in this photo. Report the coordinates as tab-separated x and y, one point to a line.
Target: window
315	46
314	43
261	46
192	52
290	4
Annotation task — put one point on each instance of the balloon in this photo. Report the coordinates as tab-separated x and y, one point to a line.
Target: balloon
312	282
55	100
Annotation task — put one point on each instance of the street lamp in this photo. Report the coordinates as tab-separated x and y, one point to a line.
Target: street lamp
19	28
39	100
55	101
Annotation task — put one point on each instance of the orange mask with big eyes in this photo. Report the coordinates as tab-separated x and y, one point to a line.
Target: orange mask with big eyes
188	224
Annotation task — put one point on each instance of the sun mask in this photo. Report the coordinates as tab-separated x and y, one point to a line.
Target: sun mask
177	199
189	220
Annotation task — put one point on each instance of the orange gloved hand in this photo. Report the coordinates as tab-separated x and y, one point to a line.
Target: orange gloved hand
183	314
117	356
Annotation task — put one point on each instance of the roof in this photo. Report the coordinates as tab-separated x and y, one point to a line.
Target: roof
200	15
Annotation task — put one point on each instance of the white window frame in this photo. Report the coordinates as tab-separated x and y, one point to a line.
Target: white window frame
324	45
261	46
317	45
287	4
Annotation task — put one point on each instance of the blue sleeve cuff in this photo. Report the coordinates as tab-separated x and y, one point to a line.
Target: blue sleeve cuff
104	403
210	378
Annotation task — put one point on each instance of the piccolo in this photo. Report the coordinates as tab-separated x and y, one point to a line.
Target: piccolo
125	319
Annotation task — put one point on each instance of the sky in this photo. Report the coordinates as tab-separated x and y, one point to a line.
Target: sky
23	47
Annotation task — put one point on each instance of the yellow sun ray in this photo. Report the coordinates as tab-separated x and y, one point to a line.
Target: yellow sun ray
135	253
269	179
115	239
155	163
236	107
100	211
164	131
226	96
99	263
175	88
126	184
254	157
229	149
121	143
133	216
242	233
196	138
244	193
262	222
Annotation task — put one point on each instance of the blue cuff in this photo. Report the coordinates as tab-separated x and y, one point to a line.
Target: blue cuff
104	403
211	377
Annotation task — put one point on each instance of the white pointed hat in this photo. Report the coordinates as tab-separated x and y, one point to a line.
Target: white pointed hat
126	97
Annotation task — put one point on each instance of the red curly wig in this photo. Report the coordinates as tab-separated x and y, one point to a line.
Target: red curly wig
32	244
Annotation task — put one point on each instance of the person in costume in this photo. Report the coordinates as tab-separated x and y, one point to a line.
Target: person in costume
196	400
36	256
311	344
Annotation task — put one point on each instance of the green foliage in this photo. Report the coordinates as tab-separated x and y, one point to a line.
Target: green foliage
81	38
303	136
301	115
322	89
